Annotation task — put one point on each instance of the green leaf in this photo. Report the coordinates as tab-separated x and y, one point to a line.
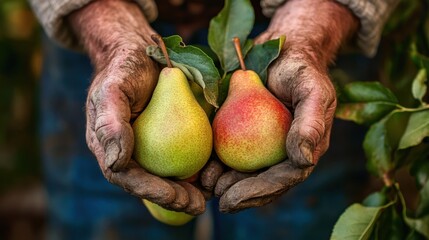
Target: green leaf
261	55
381	142
375	199
421	60
365	102
357	222
196	65
235	20
417	129
420	171
421	225
419	86
390	225
223	88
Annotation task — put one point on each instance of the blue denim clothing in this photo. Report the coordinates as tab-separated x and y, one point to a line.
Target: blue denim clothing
83	205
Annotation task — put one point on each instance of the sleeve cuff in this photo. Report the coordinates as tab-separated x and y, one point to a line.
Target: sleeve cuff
372	14
51	15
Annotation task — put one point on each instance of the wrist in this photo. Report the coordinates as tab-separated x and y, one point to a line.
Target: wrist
111	29
314	29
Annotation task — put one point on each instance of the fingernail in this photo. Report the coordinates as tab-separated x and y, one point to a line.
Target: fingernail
112	154
307	153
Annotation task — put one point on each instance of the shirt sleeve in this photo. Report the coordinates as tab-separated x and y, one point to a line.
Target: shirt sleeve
372	14
51	13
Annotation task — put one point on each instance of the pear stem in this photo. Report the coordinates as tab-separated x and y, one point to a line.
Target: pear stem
158	40
239	54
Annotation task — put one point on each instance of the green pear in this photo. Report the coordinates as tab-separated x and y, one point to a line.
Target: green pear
167	216
172	136
251	126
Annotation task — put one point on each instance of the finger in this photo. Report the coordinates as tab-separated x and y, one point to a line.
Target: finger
228	179
250	192
210	174
142	184
314	105
182	198
111	123
133	179
197	203
263	189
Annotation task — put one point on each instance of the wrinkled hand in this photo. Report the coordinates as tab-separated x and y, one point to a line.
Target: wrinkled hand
117	95
115	35
314	30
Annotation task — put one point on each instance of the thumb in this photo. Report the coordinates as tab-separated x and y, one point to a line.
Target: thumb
108	115
314	104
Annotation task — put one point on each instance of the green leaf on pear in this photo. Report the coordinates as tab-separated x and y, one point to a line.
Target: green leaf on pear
261	56
417	129
234	20
357	222
195	64
365	102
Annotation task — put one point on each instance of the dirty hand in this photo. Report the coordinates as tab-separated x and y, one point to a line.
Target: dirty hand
115	35
299	79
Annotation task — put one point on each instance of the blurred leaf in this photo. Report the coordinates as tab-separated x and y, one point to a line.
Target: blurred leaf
419	85
421	225
375	199
235	20
196	65
261	55
390	225
420	171
417	129
357	222
381	142
419	59
365	102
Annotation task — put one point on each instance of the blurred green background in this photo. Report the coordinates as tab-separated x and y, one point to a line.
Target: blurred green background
21	192
20	60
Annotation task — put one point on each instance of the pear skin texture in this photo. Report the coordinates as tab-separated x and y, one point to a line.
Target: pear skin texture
167	216
173	135
251	126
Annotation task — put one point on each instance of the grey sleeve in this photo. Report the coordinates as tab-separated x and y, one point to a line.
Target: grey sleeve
51	15
372	14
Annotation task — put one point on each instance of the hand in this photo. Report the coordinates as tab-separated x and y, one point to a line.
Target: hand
115	34
299	79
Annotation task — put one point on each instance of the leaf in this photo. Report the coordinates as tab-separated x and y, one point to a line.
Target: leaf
196	65
375	199
381	142
390	225
419	59
357	222
261	55
365	102
417	129
420	171
235	20
421	225
419	86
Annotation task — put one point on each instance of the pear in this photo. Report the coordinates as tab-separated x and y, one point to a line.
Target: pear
167	216
173	135
251	126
